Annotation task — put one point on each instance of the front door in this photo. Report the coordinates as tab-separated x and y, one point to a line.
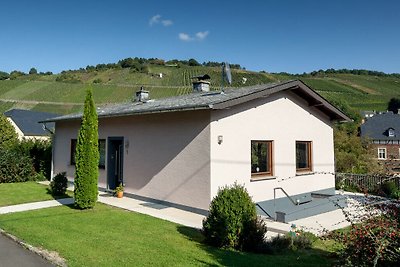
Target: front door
115	162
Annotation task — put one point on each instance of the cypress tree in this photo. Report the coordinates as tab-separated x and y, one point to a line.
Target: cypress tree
87	157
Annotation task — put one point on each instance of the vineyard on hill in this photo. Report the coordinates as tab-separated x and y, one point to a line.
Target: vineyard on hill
64	93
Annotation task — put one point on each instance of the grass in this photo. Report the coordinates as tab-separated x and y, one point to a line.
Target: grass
19	193
108	236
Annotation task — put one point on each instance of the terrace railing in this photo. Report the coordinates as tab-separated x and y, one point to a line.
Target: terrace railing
367	182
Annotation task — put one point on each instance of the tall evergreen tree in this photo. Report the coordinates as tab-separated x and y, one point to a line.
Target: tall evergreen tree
87	157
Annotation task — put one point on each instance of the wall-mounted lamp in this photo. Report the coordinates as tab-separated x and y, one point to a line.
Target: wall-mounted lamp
126	145
220	139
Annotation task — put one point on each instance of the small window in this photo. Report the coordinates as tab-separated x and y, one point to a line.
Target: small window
381	153
303	156
102	152
261	158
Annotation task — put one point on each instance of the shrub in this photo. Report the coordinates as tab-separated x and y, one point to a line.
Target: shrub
232	221
40	153
375	241
59	184
15	166
292	241
389	189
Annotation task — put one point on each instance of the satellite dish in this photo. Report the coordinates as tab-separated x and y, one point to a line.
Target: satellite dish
226	72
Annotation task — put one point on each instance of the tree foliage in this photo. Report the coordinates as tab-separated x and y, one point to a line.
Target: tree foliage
87	157
33	71
8	136
394	105
353	154
4	75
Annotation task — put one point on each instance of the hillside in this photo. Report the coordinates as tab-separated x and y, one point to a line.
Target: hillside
64	93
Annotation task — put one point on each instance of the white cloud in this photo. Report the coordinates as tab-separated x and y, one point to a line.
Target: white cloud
154	20
202	35
157	19
185	37
167	22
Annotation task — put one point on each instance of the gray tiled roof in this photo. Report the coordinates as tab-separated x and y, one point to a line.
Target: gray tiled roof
213	100
377	126
28	121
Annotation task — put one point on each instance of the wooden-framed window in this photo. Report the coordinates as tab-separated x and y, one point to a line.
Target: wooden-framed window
303	156
102	152
381	153
261	158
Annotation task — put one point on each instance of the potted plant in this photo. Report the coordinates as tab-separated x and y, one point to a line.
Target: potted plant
119	191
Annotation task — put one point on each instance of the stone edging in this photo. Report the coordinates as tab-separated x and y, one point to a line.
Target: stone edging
51	256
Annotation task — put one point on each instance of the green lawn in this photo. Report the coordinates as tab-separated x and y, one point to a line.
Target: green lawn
18	193
108	236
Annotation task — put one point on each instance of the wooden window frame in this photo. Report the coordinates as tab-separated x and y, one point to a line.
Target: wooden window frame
73	152
260	175
384	148
309	167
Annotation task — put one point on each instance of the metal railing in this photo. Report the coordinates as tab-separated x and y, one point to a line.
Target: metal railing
296	203
364	181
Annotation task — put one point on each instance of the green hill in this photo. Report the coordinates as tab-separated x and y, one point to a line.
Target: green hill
64	93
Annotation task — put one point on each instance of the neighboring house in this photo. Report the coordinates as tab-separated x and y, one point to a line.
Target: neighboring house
26	123
384	131
181	150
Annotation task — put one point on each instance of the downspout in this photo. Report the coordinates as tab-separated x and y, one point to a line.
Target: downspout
52	138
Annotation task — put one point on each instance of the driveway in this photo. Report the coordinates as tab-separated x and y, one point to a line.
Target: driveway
12	254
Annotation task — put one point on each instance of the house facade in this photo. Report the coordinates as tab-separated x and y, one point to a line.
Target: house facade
181	150
384	132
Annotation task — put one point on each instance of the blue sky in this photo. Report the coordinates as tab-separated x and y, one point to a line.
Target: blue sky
291	36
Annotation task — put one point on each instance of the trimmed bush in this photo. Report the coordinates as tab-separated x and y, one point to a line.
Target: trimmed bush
232	221
59	184
15	167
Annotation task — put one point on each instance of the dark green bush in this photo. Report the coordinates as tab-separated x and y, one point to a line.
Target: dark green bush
40	153
15	166
303	240
390	190
292	241
232	221
59	184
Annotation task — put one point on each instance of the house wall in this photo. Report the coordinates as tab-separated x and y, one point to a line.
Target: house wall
282	118
21	135
168	156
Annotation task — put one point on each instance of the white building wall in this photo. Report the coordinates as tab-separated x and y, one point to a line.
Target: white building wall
283	119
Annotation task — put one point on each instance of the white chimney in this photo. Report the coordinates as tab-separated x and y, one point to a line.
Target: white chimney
142	95
201	85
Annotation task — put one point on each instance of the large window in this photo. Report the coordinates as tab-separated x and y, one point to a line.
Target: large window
381	153
261	158
303	156
102	152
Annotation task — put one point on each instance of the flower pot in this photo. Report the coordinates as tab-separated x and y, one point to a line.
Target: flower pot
120	194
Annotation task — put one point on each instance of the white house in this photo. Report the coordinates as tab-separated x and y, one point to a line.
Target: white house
180	150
